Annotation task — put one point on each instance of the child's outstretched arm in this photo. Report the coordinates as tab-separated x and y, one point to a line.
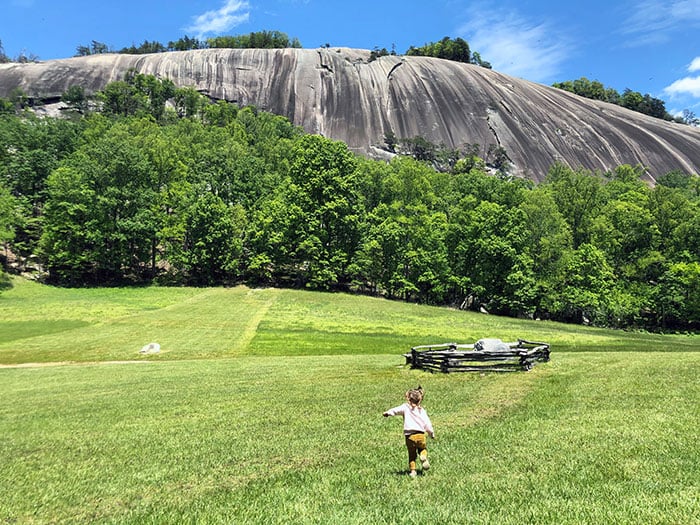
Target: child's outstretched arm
393	411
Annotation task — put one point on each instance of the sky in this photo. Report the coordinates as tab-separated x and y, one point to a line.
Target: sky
650	46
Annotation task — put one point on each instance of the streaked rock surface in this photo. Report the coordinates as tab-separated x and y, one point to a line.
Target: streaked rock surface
338	93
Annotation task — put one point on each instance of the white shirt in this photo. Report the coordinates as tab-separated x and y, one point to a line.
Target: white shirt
415	419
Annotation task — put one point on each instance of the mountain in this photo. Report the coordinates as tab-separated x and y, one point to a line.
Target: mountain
340	93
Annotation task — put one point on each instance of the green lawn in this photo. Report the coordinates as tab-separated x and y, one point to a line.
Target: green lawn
265	407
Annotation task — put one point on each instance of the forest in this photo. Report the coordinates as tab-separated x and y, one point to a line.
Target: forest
152	184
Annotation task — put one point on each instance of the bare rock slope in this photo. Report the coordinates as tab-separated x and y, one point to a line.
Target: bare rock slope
337	92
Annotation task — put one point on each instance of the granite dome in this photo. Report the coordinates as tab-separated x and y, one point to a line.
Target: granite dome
339	93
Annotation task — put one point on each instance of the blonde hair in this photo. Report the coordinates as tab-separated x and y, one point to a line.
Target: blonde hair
414	396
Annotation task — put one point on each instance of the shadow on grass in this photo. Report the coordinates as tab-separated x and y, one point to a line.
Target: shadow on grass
405	474
14	330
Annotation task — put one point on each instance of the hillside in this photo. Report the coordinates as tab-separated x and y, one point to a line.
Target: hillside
338	93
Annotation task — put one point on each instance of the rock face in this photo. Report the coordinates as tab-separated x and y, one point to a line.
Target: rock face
337	92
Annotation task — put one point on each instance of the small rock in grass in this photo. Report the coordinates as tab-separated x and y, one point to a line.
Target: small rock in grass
150	348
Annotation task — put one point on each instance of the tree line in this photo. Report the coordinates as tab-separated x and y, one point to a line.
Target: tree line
253	40
629	99
456	49
23	57
155	184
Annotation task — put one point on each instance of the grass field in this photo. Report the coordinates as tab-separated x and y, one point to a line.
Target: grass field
264	406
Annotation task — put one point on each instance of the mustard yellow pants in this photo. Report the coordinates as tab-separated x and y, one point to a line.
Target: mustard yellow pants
416	445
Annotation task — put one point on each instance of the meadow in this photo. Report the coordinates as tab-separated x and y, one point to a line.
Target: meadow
264	406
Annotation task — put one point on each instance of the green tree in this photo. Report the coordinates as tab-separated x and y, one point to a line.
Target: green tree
547	234
456	49
685	241
220	114
186	43
408	182
577	194
497	157
377	53
419	148
477	60
325	187
678	296
371	178
157	91
674	179
189	102
19	99
489	259
508	192
469	160
258	39
673	212
631	99
626	228
6	107
145	48
274	233
404	253
69	240
211	243
581	292
30	148
108	192
4	59
95	48
136	95
76	98
9	216
390	141
585	88
120	98
627	232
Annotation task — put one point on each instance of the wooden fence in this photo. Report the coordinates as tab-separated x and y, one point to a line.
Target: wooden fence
484	355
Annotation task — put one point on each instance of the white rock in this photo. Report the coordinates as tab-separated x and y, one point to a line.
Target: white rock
150	348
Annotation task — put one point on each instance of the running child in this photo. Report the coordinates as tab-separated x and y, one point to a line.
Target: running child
416	424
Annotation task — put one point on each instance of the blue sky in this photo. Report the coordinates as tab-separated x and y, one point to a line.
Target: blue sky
651	46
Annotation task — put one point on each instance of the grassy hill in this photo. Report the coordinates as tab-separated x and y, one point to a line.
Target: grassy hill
265	405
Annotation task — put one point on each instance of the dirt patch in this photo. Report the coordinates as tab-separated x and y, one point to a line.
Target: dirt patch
73	363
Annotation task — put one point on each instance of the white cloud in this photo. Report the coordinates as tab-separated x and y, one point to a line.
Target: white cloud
684	86
655	21
687	86
515	45
231	14
685	10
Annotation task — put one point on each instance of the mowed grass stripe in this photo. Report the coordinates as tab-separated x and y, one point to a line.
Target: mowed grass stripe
211	323
218	322
269	296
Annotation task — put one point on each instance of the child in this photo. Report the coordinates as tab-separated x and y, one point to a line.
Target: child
416	424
